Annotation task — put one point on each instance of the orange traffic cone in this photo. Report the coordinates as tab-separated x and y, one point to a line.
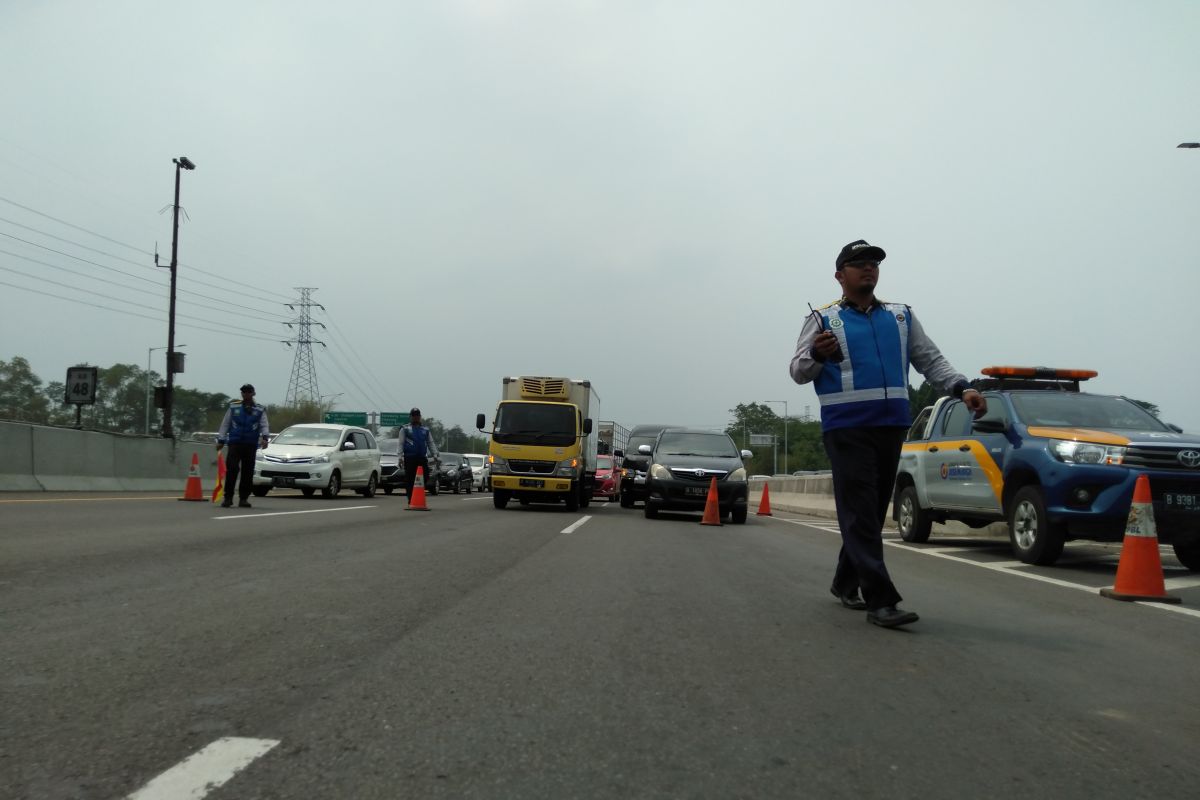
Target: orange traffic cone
216	495
712	508
192	490
1139	572
417	501
764	507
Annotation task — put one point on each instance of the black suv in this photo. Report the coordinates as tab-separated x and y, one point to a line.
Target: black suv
455	473
683	463
634	464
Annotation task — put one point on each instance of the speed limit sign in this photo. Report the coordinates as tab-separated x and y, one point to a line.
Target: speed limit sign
81	385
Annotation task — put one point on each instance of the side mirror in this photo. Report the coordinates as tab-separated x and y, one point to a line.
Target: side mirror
1175	428
618	454
348	446
479	420
645	449
988	426
747	454
587	427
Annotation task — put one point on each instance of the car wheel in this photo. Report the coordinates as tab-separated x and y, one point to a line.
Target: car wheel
1035	540
456	487
500	498
739	515
914	522
650	510
572	498
585	497
308	491
626	498
335	485
1188	553
388	490
432	489
369	491
261	491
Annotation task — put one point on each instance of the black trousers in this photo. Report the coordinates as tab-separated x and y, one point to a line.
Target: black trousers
410	472
864	462
239	460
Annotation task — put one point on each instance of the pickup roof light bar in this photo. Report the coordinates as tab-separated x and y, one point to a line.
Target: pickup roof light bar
1044	373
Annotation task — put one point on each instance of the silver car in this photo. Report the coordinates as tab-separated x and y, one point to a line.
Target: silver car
325	457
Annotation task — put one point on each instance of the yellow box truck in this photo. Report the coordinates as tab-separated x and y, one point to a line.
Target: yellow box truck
543	442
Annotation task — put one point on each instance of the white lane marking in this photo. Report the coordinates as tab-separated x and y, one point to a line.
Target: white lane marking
1008	568
205	770
287	513
576	524
1182	583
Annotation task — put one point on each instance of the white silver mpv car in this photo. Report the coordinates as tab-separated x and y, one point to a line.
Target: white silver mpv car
325	457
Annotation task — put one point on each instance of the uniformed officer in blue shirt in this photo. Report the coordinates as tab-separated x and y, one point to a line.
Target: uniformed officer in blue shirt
245	430
857	352
416	445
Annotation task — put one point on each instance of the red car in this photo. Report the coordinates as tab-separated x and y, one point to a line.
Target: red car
607	482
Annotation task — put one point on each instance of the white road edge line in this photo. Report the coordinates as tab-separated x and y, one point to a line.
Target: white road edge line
288	513
1007	568
205	770
574	526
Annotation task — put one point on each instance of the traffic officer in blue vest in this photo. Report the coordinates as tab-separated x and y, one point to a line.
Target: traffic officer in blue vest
857	352
416	444
245	430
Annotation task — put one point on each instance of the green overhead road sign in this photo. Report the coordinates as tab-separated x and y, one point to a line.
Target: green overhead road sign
346	417
392	419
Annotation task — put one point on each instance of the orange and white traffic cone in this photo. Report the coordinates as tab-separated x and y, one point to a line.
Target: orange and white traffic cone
417	501
764	507
1139	572
192	490
216	495
712	506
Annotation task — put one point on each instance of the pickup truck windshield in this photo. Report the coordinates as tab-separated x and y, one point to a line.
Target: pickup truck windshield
1071	410
712	445
535	423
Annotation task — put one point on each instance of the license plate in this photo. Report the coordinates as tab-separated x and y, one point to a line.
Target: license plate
699	491
289	482
532	483
1174	501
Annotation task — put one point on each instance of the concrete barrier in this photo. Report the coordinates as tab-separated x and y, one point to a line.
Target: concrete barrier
66	460
16	459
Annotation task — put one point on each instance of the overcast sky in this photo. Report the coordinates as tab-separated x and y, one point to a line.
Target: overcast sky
645	194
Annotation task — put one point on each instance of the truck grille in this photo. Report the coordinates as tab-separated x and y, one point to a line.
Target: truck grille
532	467
1157	457
685	474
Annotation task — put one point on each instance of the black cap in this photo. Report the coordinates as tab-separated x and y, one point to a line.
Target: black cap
416	412
859	250
247	387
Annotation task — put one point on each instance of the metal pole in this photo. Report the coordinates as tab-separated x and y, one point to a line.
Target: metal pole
148	352
168	401
785	439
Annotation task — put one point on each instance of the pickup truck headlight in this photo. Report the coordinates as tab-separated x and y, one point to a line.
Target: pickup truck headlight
738	474
567	467
1086	453
498	465
659	472
321	459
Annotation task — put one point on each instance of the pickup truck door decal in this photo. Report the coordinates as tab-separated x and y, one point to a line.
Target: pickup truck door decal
950	463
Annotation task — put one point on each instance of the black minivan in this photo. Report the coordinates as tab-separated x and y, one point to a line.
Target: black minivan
635	464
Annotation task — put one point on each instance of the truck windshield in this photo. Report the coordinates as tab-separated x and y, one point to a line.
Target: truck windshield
1068	409
535	423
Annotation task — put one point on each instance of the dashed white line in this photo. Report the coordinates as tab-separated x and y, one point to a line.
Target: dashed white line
574	526
287	513
205	770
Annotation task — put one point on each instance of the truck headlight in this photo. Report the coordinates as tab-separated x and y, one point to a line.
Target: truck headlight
659	472
498	465
738	474
321	459
567	468
1087	453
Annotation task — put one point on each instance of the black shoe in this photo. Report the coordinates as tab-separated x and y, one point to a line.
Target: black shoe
226	503
851	600
891	617
243	504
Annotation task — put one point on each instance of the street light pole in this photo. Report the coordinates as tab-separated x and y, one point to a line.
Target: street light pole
785	439
150	350
183	162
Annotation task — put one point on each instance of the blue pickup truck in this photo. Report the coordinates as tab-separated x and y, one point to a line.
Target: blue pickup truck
1052	461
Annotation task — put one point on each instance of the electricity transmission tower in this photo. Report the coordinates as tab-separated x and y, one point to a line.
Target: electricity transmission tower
303	385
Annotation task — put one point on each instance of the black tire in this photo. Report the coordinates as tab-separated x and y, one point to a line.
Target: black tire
456	487
1188	553
308	491
914	522
335	485
738	517
388	489
573	495
650	510
626	498
369	491
500	498
585	496
432	489
261	491
1035	540
469	487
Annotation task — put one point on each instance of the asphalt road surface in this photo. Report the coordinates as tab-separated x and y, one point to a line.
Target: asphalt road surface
162	649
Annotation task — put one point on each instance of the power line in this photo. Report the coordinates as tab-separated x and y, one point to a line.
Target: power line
369	372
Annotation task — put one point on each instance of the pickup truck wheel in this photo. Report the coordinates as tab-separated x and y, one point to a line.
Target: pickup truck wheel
1188	553
913	521
1035	540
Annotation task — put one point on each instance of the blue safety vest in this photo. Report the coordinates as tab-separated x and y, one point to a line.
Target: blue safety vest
869	386
416	442
245	424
